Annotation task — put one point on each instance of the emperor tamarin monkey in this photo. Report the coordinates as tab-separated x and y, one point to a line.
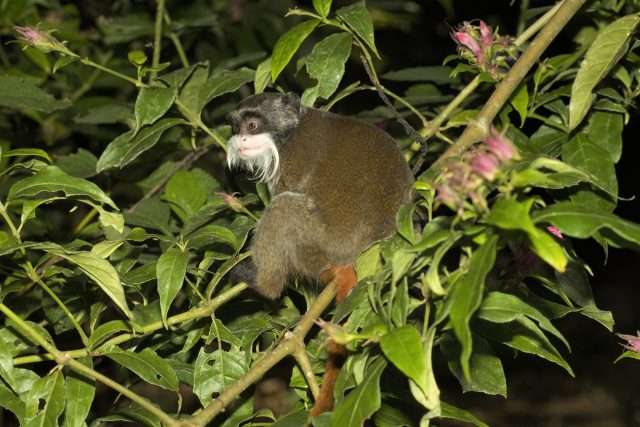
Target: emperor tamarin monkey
335	183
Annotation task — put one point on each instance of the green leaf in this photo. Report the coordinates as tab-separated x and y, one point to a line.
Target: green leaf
576	221
606	50
388	416
625	355
216	371
511	214
499	307
106	330
11	401
125	148
322	7
524	335
263	76
404	222
358	18
152	103
63	61
368	262
326	62
557	174
52	179
147	365
426	391
212	234
362	402
151	213
19	93
170	271
106	114
111	219
605	131
81	164
79	391
466	297
520	101
222	82
287	45
584	154
403	347
137	57
401	263
36	152
186	194
450	411
487	374
97	269
45	401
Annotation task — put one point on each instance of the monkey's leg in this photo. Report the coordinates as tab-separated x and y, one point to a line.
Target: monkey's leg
344	279
288	240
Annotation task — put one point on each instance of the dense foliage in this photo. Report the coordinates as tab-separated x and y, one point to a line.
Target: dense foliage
120	221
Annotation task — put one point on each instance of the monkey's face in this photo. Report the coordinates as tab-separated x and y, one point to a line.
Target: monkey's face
260	125
252	145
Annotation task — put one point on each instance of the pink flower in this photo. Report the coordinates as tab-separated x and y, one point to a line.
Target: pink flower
470	43
553	230
499	145
232	201
42	40
486	165
486	35
633	342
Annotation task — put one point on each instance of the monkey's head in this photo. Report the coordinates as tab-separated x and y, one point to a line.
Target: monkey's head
260	125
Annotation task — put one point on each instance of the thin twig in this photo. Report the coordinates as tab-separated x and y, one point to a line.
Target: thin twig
157	40
287	347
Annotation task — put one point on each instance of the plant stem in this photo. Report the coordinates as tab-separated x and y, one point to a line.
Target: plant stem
157	40
196	313
62	359
302	357
479	127
176	41
101	67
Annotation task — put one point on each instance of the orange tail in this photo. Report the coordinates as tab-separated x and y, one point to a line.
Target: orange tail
344	279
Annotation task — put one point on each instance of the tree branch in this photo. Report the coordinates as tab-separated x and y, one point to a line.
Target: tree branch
479	127
291	343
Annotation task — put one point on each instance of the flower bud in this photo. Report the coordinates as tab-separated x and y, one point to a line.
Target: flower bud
467	41
486	165
335	332
500	146
486	35
232	201
42	40
633	342
553	230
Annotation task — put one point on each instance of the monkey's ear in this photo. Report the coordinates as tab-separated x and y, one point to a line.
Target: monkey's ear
291	101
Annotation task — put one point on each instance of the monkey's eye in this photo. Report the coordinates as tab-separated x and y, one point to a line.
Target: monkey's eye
252	125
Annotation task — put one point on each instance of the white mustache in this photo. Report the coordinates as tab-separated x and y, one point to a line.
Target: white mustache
264	164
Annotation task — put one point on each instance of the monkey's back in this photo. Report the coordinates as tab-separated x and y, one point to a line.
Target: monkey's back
355	174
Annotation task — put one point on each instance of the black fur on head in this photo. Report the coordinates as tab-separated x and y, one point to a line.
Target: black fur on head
278	114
